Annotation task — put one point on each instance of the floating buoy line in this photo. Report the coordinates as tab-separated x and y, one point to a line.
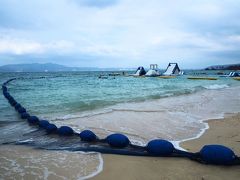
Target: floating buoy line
119	143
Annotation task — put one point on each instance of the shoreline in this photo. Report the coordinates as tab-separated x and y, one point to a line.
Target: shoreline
177	144
225	131
208	135
113	166
147	164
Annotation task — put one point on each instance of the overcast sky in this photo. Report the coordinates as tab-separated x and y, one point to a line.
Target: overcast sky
120	33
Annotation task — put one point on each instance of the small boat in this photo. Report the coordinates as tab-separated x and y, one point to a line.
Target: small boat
202	78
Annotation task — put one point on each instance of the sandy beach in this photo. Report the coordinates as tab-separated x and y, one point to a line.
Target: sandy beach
224	131
21	162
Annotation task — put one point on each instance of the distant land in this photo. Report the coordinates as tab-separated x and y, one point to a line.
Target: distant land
224	67
50	67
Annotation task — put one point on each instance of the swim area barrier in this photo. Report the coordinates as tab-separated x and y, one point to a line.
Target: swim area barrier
116	143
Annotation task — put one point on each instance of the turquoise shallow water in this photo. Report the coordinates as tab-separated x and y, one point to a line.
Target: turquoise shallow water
73	92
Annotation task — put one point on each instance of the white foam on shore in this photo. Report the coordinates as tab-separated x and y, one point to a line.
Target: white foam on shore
99	168
216	86
26	141
26	163
176	119
202	131
164	118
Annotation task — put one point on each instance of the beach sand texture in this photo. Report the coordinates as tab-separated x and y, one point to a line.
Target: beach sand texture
21	162
225	132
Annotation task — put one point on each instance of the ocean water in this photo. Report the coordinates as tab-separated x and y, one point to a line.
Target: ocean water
142	108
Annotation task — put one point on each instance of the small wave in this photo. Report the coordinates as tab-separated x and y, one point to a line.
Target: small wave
27	141
82	115
216	86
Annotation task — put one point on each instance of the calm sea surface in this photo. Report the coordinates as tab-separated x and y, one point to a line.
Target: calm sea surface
73	92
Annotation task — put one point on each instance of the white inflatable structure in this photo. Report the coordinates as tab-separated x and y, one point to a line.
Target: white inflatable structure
173	69
153	71
140	71
231	74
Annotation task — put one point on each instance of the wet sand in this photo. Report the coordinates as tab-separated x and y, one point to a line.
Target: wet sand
21	162
225	132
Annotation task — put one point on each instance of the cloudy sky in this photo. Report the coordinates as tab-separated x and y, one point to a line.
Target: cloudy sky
120	33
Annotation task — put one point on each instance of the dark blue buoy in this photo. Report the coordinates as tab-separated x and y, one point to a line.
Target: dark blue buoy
88	136
33	119
4	88
65	131
4	91
6	95
43	123
10	98
21	110
24	115
217	154
51	128
159	147
17	106
118	140
12	101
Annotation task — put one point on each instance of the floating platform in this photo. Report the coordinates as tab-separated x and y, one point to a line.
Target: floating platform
237	78
167	77
202	78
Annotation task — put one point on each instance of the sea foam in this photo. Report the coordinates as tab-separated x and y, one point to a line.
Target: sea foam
216	86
